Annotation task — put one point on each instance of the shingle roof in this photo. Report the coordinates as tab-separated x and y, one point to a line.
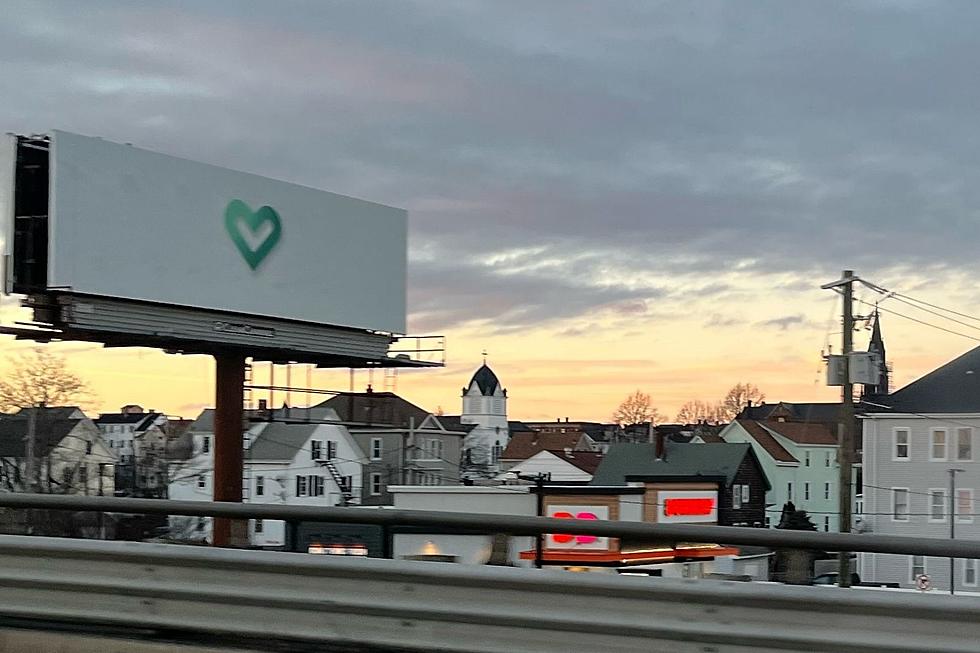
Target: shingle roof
952	388
49	431
279	441
766	440
635	462
454	423
524	445
711	438
122	418
375	408
587	461
803	412
802	433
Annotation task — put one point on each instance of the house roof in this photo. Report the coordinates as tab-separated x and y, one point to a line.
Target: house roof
952	388
486	380
49	429
375	409
634	462
766	440
122	418
587	461
803	433
710	438
453	423
515	426
279	441
803	412
524	445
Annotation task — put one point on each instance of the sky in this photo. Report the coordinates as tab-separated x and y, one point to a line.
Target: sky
603	196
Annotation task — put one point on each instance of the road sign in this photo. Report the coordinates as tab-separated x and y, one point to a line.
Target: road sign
923	582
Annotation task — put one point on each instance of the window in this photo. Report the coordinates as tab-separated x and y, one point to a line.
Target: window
331	449
258	526
736	497
826	459
201	481
826	524
83	475
316	486
375	485
789	491
806	459
937	505
901	450
435	449
88	448
112	444
376	448
497	450
826	490
964	444
206	444
900	504
316	449
970	571
806	491
938	449
259	486
745	494
301	486
917	567
964	505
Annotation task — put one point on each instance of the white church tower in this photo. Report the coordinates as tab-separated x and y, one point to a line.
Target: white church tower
485	405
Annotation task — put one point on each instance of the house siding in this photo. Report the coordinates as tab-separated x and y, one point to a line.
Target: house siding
919	474
753	512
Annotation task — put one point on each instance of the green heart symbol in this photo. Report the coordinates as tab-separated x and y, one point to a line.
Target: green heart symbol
255	233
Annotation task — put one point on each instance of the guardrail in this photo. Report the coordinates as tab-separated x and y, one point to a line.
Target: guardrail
285	601
513	525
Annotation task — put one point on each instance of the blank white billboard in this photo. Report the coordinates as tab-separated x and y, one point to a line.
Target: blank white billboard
134	224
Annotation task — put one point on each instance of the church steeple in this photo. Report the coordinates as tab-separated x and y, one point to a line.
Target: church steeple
877	346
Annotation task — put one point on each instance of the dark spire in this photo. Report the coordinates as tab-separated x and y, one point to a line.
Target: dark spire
486	380
877	345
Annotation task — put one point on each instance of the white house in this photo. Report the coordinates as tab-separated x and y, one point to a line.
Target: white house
915	440
285	464
69	453
800	461
558	466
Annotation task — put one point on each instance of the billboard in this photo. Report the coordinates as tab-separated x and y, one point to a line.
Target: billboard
133	224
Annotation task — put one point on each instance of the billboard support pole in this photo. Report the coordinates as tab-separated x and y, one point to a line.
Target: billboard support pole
229	420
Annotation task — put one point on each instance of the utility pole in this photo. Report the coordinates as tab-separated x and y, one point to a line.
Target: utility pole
952	526
29	444
539	480
845	455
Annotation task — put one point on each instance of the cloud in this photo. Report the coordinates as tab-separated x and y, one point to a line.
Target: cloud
783	323
613	141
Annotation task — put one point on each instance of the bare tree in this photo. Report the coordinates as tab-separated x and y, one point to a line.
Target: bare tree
636	409
39	378
700	411
738	398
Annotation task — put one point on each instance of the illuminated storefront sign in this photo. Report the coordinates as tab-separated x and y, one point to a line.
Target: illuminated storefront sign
687	506
578	542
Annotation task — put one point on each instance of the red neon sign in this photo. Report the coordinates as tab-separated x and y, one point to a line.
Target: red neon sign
579	539
687	507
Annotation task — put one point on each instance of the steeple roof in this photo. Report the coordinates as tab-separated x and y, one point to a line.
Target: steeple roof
486	380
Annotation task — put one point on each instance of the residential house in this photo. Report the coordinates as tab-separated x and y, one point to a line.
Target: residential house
557	466
139	440
525	445
728	479
285	463
915	440
800	461
403	443
70	456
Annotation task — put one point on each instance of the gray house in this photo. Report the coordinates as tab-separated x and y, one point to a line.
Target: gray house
913	438
402	443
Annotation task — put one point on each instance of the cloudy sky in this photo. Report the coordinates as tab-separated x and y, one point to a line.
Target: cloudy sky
605	196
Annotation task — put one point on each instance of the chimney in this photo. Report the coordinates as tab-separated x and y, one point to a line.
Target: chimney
661	448
263	404
748	404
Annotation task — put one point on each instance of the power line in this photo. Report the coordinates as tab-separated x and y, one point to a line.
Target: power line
929	324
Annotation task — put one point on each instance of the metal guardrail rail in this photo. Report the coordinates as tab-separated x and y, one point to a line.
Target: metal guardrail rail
286	601
510	524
